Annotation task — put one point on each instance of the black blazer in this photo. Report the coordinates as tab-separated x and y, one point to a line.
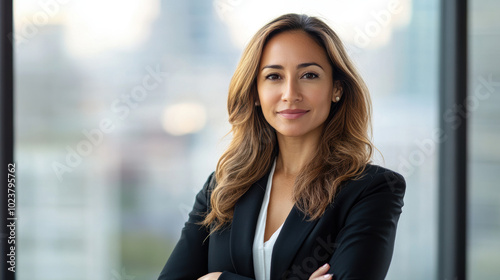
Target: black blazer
355	235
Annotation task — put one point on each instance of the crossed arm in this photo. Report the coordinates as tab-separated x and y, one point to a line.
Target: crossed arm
364	245
319	274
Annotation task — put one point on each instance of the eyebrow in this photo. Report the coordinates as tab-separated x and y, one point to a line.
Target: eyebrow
302	65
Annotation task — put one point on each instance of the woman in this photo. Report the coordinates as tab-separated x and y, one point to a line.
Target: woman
294	195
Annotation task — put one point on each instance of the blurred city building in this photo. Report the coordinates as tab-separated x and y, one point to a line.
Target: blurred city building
117	128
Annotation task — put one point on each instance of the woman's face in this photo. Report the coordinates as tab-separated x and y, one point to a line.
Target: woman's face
295	85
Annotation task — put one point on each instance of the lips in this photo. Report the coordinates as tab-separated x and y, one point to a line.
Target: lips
292	114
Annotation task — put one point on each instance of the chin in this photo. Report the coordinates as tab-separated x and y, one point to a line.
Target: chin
292	133
299	131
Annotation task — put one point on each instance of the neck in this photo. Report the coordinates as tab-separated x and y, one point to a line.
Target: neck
294	154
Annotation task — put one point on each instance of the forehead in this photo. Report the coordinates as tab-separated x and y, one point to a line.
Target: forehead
293	47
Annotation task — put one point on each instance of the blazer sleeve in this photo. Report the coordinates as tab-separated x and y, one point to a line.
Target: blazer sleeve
189	259
366	242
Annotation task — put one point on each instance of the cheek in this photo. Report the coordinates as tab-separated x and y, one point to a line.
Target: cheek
268	96
320	97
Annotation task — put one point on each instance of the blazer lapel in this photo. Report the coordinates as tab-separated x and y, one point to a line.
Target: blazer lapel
295	230
246	213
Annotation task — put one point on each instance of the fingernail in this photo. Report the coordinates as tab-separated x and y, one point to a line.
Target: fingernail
324	265
327	275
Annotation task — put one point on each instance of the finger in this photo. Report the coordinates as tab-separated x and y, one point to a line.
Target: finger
323	277
320	271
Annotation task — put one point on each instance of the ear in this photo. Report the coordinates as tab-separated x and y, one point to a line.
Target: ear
337	91
257	100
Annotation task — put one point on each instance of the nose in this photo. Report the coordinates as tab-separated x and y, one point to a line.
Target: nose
291	92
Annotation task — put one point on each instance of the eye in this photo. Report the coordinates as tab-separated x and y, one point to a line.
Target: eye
273	77
310	75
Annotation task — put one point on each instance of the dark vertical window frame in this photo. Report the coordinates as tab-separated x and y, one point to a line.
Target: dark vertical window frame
453	148
6	129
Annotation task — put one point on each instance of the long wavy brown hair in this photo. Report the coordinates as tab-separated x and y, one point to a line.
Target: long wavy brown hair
344	150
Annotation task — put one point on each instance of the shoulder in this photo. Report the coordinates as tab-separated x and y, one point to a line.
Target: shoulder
376	179
204	194
210	182
375	171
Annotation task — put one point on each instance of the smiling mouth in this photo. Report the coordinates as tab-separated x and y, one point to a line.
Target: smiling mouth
292	114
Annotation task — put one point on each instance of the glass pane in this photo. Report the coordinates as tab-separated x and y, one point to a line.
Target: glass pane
121	116
483	102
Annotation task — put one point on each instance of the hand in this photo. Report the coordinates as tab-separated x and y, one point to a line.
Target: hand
320	273
210	276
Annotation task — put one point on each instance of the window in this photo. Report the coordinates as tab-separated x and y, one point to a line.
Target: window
484	157
120	111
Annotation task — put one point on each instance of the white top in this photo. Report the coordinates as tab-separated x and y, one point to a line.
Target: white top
262	251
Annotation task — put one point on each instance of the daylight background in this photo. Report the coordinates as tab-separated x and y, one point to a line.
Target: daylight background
121	116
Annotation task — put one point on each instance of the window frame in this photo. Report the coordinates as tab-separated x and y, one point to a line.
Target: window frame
452	189
452	155
6	128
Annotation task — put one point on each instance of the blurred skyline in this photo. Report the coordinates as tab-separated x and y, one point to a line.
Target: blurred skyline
121	116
